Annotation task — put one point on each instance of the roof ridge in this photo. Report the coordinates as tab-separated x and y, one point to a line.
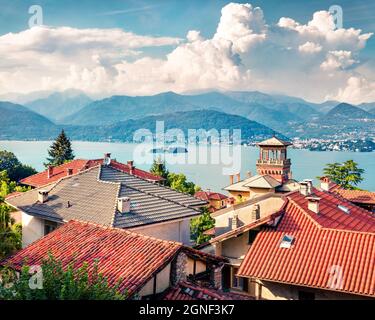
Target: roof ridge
159	197
153	194
127	231
326	228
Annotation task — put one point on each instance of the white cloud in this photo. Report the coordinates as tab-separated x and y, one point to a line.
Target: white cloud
310	47
357	90
241	24
337	60
245	53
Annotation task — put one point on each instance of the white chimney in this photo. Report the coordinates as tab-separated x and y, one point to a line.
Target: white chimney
123	205
107	159
43	196
309	185
313	204
234	221
324	184
255	213
304	188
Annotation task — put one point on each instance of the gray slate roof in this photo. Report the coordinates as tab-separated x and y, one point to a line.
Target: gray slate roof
93	195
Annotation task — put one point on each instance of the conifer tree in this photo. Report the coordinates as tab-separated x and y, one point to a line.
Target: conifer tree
60	151
159	169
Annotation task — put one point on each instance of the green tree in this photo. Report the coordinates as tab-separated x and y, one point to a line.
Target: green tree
159	169
178	182
14	168
199	225
60	151
10	233
348	175
58	283
7	186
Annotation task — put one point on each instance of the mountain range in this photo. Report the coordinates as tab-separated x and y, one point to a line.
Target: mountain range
107	118
23	124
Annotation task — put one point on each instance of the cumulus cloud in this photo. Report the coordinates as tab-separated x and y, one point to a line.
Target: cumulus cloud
315	59
337	60
310	47
357	90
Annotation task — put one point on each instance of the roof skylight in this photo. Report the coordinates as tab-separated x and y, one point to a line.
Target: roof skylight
286	241
343	208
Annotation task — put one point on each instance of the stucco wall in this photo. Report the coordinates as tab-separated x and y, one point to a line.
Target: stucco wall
174	231
266	206
235	247
162	282
277	291
32	229
200	266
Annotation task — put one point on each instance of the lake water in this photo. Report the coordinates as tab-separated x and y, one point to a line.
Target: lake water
305	164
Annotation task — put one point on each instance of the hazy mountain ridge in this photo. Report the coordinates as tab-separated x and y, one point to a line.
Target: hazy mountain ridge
23	124
18	122
59	105
348	111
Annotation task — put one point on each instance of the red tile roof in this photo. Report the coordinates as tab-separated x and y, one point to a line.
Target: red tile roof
137	172
41	179
188	291
357	196
121	254
208	195
326	247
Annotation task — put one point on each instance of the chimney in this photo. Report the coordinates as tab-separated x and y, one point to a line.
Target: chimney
43	196
249	174
69	171
313	204
304	188
324	183
107	159
131	166
234	221
50	171
231	179
309	185
255	212
238	177
123	205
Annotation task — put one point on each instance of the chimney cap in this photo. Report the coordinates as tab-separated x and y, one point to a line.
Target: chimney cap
43	191
313	198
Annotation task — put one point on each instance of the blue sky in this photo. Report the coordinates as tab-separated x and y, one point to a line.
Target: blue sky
174	19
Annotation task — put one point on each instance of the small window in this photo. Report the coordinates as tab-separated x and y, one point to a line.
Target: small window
286	241
49	226
305	295
237	283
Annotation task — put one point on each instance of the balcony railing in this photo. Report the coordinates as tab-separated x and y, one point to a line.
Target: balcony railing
274	161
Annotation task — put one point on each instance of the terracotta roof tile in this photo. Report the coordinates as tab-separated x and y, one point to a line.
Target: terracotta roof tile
120	254
357	196
208	195
40	179
331	242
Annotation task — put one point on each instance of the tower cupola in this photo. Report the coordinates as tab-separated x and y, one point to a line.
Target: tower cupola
273	159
